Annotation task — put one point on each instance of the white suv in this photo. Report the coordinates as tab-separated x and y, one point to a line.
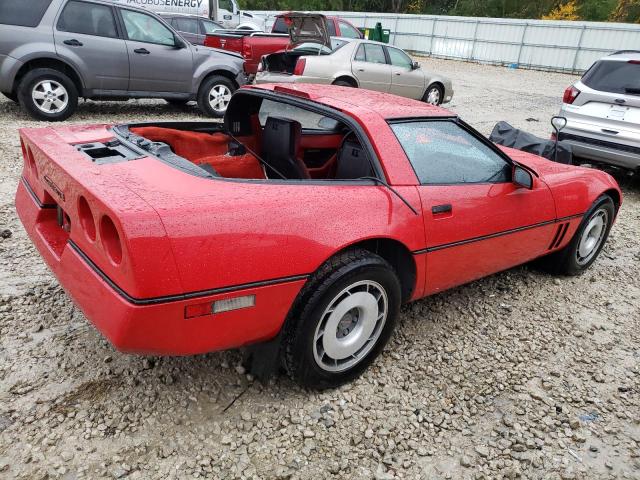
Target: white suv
603	111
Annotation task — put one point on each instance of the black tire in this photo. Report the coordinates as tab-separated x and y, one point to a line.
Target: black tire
568	261
216	81
11	96
344	271
174	102
436	88
344	83
32	79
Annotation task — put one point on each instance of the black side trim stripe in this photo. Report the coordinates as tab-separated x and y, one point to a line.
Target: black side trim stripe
35	197
182	296
494	235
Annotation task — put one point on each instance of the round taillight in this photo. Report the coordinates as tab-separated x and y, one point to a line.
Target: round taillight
85	215
111	240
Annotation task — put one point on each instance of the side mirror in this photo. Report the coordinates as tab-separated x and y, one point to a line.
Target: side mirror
178	43
522	177
415	66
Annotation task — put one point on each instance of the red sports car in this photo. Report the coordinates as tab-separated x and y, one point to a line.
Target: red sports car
305	219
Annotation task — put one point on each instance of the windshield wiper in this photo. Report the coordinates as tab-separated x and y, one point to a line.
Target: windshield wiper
393	190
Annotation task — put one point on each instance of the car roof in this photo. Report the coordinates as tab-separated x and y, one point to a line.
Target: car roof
178	14
384	104
623	55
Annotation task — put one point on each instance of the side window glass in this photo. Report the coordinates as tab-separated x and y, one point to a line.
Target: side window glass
225	5
331	27
442	152
399	58
374	53
210	27
348	31
87	19
360	57
186	25
144	28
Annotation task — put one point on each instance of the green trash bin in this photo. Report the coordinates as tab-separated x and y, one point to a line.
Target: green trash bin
376	33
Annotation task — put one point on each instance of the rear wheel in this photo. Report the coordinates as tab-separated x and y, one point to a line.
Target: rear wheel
433	95
342	319
48	94
214	95
587	242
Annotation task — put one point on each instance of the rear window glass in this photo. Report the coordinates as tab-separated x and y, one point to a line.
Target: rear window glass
308	120
279	26
614	76
23	13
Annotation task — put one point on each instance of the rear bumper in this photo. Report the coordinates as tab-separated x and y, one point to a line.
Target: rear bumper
153	326
603	151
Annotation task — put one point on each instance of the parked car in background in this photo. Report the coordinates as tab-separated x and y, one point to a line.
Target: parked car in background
225	12
54	51
356	63
306	219
192	28
336	27
603	112
254	45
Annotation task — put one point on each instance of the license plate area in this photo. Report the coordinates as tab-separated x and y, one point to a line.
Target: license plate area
617	112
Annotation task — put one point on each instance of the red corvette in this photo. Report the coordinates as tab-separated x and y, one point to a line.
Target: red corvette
305	219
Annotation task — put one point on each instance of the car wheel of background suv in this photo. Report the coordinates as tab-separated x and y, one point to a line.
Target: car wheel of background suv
48	94
214	95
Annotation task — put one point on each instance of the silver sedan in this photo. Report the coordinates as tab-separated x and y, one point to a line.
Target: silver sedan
356	63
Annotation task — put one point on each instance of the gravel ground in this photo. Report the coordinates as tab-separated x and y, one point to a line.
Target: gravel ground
520	375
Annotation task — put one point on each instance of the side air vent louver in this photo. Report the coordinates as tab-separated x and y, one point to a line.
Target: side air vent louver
559	236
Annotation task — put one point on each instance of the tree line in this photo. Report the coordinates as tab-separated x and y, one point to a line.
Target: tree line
592	10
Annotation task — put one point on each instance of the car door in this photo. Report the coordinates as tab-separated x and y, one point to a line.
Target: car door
406	81
370	67
86	35
477	221
155	63
189	29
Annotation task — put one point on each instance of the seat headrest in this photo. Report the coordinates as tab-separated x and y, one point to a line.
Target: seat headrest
353	161
288	132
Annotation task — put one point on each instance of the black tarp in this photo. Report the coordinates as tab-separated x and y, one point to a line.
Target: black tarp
509	136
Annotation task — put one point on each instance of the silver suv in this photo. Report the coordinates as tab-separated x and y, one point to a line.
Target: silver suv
603	111
54	51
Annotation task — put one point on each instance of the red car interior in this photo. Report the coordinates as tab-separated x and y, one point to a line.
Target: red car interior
313	156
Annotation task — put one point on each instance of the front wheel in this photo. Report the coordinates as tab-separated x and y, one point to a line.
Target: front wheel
587	242
214	95
342	320
48	94
433	95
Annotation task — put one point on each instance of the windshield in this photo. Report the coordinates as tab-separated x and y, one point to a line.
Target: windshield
614	76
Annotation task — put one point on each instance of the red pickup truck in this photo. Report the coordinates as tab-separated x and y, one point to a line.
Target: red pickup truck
253	45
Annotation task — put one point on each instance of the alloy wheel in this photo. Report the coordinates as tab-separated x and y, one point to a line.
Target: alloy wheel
350	326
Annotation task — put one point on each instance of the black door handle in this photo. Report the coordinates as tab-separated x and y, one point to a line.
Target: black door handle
446	208
142	51
73	43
